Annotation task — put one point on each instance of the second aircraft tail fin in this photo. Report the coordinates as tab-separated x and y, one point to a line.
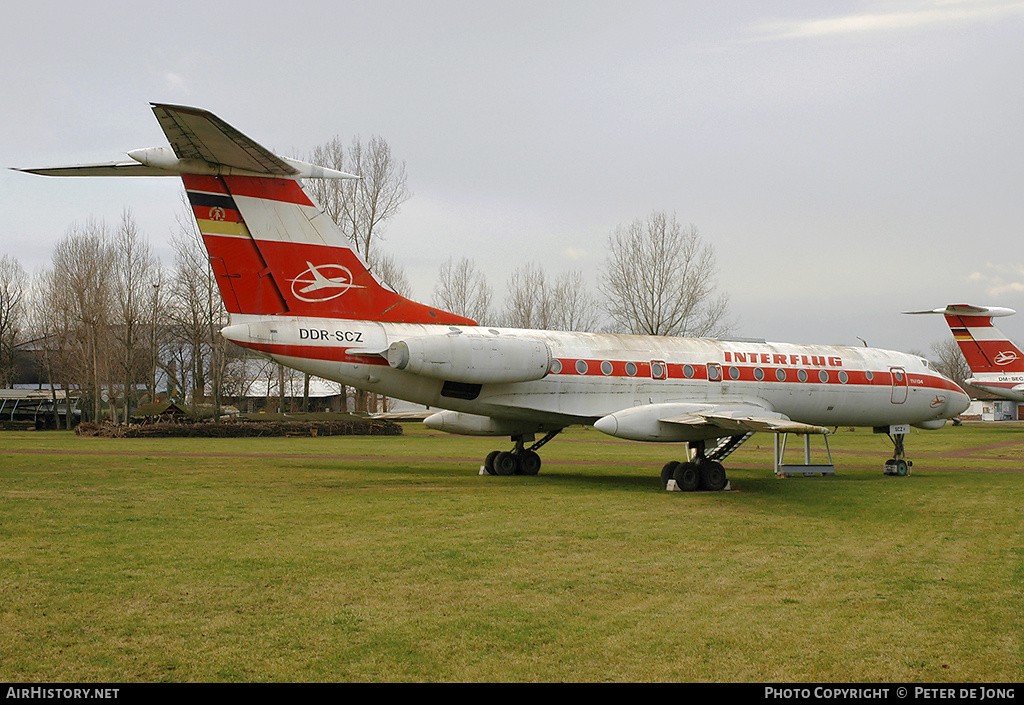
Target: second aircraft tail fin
986	348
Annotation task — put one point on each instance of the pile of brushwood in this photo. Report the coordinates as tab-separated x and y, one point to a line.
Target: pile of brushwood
344	426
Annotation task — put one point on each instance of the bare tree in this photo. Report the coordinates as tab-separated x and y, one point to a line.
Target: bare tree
77	301
659	279
133	272
388	271
362	207
379	193
533	301
329	193
950	361
528	301
13	313
573	307
156	318
197	314
461	289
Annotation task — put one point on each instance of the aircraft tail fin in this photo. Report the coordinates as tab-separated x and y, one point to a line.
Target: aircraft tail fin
272	248
986	348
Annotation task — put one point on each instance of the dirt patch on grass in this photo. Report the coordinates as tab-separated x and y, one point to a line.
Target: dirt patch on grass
242	429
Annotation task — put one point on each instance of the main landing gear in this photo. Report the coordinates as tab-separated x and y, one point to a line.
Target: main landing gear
702	472
518	461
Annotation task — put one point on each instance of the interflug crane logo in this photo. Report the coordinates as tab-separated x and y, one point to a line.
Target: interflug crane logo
322	282
1005	358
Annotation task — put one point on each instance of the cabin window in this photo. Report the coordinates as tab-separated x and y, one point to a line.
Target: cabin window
869	375
581	367
658	370
758	374
714	372
556	366
631	369
823	376
843	377
734	372
801	375
688	371
606	367
780	374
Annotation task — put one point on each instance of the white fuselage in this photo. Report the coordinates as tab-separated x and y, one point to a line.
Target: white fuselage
592	375
1006	385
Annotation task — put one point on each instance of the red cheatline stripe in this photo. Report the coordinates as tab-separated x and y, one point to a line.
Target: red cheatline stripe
746	374
313	352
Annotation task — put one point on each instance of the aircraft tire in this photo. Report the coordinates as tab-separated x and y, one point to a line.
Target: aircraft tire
667	472
712	476
506	463
529	463
489	462
902	469
687	477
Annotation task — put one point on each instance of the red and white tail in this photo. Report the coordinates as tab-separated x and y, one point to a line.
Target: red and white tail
274	251
986	348
272	248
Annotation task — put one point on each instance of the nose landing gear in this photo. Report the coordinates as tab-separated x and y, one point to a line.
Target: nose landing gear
897	464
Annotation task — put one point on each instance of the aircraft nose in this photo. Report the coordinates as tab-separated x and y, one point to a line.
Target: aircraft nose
959	403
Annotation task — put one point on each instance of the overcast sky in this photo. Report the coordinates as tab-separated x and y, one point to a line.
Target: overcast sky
848	160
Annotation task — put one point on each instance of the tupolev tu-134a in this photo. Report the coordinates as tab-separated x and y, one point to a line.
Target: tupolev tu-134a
297	291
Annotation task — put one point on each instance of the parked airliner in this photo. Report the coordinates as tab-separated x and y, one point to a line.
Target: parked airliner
297	291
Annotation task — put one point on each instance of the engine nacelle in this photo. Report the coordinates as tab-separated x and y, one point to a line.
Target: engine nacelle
474	425
475	359
643	423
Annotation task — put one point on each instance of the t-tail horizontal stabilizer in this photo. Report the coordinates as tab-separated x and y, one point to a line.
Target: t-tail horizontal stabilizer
272	249
201	144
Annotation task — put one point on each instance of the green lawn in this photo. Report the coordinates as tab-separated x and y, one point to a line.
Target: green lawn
391	559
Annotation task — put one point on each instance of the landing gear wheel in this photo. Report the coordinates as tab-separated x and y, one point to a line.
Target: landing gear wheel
489	462
897	465
506	463
712	476
529	463
667	472
686	476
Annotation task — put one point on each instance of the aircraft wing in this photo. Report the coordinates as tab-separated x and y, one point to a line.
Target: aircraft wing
199	134
691	421
743	418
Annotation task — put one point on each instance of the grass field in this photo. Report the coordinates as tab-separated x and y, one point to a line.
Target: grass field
390	559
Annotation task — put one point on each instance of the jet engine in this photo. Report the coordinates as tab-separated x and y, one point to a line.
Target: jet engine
474	359
474	425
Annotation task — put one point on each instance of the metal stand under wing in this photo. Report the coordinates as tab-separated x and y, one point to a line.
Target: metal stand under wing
807	468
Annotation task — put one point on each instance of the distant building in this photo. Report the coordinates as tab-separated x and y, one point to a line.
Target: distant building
39	407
